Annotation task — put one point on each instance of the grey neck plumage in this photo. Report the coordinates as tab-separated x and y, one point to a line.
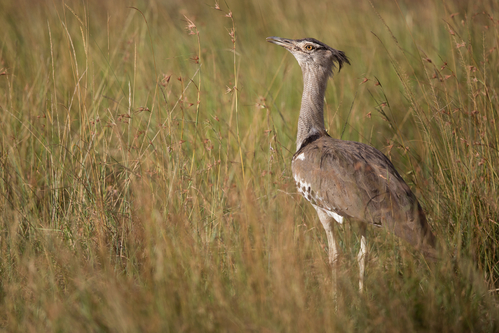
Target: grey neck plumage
311	119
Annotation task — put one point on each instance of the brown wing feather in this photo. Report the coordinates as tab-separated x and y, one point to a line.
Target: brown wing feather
356	180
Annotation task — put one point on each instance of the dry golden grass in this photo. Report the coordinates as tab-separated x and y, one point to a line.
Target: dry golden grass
145	166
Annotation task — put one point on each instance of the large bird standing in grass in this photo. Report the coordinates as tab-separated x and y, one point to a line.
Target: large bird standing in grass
346	179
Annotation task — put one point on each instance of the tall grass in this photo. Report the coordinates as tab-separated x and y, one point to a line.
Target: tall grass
145	166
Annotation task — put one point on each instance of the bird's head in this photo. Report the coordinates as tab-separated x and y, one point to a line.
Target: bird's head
312	54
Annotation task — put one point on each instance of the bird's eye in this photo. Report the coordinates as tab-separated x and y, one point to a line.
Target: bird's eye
309	47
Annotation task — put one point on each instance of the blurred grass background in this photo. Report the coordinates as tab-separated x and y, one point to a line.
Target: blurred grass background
145	156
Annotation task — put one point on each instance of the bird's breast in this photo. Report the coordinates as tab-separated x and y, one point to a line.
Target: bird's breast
309	187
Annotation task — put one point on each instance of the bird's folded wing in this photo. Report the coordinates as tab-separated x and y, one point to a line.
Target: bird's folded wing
353	180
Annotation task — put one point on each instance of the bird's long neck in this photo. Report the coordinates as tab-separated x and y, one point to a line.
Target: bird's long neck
311	121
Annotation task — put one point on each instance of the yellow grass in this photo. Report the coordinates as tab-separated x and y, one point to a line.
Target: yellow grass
145	152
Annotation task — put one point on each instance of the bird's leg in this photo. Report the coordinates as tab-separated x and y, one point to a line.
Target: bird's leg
327	223
333	250
361	257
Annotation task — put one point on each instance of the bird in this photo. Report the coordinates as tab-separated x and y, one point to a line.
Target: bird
347	179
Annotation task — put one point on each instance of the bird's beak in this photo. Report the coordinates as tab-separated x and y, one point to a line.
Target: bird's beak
284	42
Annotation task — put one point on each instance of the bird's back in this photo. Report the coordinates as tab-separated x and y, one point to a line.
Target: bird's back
355	180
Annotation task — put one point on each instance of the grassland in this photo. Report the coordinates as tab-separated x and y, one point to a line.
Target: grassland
145	152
